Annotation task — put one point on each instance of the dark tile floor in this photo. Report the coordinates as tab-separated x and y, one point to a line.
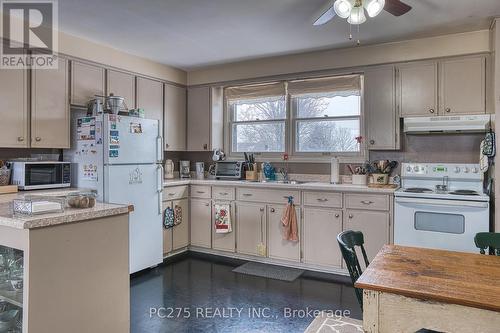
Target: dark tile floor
212	298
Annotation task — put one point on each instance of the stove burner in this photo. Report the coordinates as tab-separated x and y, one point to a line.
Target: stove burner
417	190
464	192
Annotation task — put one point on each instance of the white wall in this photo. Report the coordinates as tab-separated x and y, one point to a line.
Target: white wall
424	48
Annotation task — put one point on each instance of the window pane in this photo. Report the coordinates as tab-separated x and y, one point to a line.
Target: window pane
327	136
312	106
266	137
262	109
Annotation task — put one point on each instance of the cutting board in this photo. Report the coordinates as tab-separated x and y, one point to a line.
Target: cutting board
8	189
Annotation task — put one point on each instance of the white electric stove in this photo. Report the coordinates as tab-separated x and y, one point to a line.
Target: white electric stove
440	206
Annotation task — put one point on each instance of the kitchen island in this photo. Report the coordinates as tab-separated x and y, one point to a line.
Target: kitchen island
72	269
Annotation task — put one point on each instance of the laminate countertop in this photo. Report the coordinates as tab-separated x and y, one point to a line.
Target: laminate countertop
311	185
435	275
69	215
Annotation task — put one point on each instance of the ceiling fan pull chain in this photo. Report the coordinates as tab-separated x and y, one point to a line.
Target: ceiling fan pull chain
358	42
350	31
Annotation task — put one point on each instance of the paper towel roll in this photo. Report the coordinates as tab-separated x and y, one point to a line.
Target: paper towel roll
334	171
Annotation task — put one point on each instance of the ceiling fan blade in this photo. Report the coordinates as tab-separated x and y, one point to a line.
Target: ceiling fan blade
325	17
396	7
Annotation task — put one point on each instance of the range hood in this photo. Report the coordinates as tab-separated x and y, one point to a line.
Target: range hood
448	124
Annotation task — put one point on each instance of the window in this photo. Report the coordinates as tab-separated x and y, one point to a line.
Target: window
325	117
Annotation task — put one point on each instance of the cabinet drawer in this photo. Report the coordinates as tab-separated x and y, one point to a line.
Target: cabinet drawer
223	193
261	195
200	191
176	192
323	199
367	201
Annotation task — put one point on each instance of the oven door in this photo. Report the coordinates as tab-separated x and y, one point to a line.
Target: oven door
43	175
439	223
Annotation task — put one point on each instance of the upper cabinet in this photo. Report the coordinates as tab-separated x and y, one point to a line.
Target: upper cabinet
205	118
175	118
122	84
150	98
452	86
382	121
418	85
14	127
50	118
463	86
86	82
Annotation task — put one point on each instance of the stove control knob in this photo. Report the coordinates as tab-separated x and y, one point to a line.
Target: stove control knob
416	168
475	170
466	170
457	170
408	168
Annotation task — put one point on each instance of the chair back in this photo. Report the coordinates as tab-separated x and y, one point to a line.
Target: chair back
488	241
348	240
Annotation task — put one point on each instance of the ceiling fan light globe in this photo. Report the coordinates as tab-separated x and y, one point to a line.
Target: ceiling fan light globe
357	16
343	8
374	7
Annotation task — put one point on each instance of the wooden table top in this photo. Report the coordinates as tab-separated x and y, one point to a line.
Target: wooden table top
443	276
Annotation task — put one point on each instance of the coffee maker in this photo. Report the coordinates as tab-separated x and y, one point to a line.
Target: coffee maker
185	169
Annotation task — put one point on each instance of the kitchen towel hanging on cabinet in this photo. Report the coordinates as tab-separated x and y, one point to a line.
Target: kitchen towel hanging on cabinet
168	218
289	222
222	218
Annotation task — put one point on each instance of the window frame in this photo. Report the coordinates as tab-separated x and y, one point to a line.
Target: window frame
290	134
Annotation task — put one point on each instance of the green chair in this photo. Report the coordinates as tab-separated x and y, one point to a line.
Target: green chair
488	241
348	240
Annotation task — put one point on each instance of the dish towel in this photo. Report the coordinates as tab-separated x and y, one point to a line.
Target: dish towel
289	222
168	218
177	215
222	218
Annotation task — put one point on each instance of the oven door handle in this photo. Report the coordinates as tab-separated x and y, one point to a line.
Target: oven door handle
439	202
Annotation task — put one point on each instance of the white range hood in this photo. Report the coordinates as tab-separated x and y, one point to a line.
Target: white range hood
448	124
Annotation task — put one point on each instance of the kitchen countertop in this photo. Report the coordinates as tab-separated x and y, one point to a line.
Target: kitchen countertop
319	186
45	220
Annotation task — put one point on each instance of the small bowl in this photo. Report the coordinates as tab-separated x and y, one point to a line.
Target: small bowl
81	200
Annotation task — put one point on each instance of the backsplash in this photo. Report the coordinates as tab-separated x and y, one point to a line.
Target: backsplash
436	148
12	153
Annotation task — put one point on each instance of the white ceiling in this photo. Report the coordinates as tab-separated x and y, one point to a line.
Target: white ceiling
190	34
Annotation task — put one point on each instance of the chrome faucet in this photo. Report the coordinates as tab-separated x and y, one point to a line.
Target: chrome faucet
284	174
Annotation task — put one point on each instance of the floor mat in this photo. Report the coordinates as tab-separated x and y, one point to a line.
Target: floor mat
269	271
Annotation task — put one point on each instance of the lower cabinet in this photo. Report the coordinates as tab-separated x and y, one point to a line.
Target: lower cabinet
278	247
321	227
251	231
180	237
225	241
201	223
374	226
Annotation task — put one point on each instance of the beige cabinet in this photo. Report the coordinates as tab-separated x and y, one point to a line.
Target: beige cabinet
121	84
418	84
175	118
201	222
14	127
382	120
463	86
86	81
374	225
198	120
251	231
321	227
180	237
150	98
167	233
50	118
225	241
279	248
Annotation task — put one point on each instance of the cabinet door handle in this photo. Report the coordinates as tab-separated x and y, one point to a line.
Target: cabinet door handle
247	194
20	138
171	194
273	210
372	142
351	216
207	204
366	202
38	139
167	145
448	110
322	199
200	192
432	110
205	146
337	216
261	209
223	193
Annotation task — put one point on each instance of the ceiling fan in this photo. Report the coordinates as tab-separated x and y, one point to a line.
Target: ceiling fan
354	10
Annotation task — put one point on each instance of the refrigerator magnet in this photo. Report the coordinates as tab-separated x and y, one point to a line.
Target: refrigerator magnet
114	140
113	153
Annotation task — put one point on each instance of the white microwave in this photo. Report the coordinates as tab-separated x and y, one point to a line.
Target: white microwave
31	175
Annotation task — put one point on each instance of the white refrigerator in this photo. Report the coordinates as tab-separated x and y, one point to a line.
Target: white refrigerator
121	157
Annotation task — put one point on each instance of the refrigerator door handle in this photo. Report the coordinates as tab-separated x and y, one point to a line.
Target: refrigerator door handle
159	170
159	149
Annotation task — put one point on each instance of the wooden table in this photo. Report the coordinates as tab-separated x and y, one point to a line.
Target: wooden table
406	289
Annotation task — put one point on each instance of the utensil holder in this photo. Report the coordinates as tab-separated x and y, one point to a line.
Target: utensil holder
4	177
359	179
380	178
251	175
